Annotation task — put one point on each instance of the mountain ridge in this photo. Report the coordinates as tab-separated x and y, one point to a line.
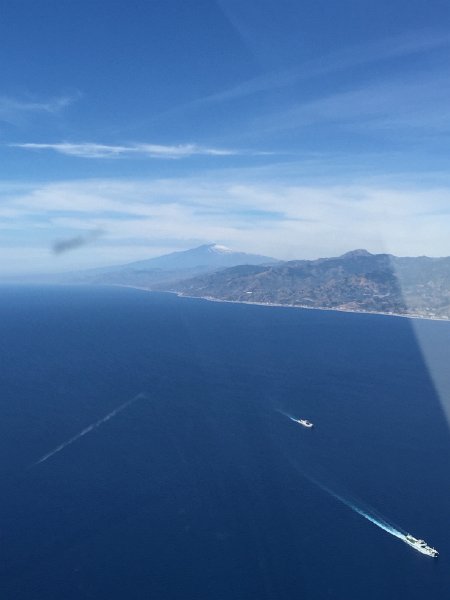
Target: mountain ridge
354	281
171	267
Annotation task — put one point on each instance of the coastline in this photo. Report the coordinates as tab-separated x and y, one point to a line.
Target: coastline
295	306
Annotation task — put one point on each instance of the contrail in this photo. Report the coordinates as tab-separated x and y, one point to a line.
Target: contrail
379	522
88	429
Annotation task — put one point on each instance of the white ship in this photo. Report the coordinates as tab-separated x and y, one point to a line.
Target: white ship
304	422
421	546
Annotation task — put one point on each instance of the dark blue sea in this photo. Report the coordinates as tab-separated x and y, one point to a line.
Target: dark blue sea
197	487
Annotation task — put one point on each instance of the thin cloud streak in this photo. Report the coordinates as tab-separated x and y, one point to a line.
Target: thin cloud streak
13	109
94	150
411	103
355	56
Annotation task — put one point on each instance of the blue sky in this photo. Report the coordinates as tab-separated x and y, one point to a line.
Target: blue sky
294	129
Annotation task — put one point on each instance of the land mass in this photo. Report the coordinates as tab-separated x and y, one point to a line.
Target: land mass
356	281
164	271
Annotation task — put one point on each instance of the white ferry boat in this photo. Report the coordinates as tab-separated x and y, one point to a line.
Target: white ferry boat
421	546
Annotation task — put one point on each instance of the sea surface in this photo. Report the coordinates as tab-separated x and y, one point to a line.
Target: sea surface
145	451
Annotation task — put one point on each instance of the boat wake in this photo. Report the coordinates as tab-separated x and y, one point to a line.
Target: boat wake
369	514
378	521
88	429
418	544
285	414
303	422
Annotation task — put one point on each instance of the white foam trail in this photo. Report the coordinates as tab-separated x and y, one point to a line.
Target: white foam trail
88	429
285	414
381	523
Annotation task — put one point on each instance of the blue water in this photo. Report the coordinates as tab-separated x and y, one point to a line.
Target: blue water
196	486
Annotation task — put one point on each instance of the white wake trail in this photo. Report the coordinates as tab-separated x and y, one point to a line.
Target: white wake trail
381	523
88	429
285	414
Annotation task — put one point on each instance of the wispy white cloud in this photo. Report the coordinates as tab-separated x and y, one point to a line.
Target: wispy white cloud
408	103
94	150
412	43
286	221
14	109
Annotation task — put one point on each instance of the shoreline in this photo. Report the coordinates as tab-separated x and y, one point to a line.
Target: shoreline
278	305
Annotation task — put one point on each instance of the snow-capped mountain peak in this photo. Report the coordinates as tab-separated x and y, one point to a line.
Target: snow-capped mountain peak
178	265
219	249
